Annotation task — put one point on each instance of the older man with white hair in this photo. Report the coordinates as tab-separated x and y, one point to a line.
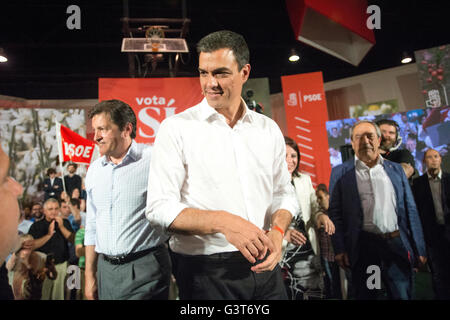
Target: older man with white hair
378	231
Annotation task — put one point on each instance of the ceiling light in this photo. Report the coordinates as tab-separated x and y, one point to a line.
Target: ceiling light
406	58
3	55
294	56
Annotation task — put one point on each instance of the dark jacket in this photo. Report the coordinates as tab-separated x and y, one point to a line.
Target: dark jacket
424	200
53	190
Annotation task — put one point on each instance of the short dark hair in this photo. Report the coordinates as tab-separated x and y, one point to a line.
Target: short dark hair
72	164
291	143
389	122
322	187
325	192
120	113
426	152
50	171
226	39
75	202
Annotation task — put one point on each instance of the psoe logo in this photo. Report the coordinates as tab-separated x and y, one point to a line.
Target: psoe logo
312	97
77	150
292	101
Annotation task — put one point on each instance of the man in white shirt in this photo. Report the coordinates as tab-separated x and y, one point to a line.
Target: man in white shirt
378	231
219	184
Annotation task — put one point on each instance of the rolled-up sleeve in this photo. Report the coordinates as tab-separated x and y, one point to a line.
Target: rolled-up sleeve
91	213
166	178
284	196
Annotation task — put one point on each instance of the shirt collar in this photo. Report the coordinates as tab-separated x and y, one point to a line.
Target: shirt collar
206	111
132	153
439	175
360	163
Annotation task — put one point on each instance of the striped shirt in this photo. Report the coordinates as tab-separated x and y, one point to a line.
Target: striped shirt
116	200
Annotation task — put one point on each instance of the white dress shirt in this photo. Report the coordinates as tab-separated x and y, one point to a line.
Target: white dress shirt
200	162
377	194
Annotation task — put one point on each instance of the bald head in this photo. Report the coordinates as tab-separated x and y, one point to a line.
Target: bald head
432	160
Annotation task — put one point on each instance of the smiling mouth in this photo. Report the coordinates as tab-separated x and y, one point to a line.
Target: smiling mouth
214	93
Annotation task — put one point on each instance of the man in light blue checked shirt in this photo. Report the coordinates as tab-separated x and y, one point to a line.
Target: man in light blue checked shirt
125	257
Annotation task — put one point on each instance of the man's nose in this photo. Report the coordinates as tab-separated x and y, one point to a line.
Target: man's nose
212	81
97	135
365	139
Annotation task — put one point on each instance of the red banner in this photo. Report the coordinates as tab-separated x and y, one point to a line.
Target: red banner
152	100
306	114
75	148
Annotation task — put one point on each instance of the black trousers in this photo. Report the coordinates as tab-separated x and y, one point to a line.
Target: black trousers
225	276
391	257
332	280
439	262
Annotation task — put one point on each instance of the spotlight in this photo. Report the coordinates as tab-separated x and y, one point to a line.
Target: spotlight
406	58
294	56
3	56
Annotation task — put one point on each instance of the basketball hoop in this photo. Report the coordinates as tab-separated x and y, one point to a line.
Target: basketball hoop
154	34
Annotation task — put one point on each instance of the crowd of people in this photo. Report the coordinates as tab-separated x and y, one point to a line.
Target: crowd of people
218	209
47	229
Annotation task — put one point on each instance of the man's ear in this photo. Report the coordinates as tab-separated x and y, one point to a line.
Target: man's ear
245	71
127	130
